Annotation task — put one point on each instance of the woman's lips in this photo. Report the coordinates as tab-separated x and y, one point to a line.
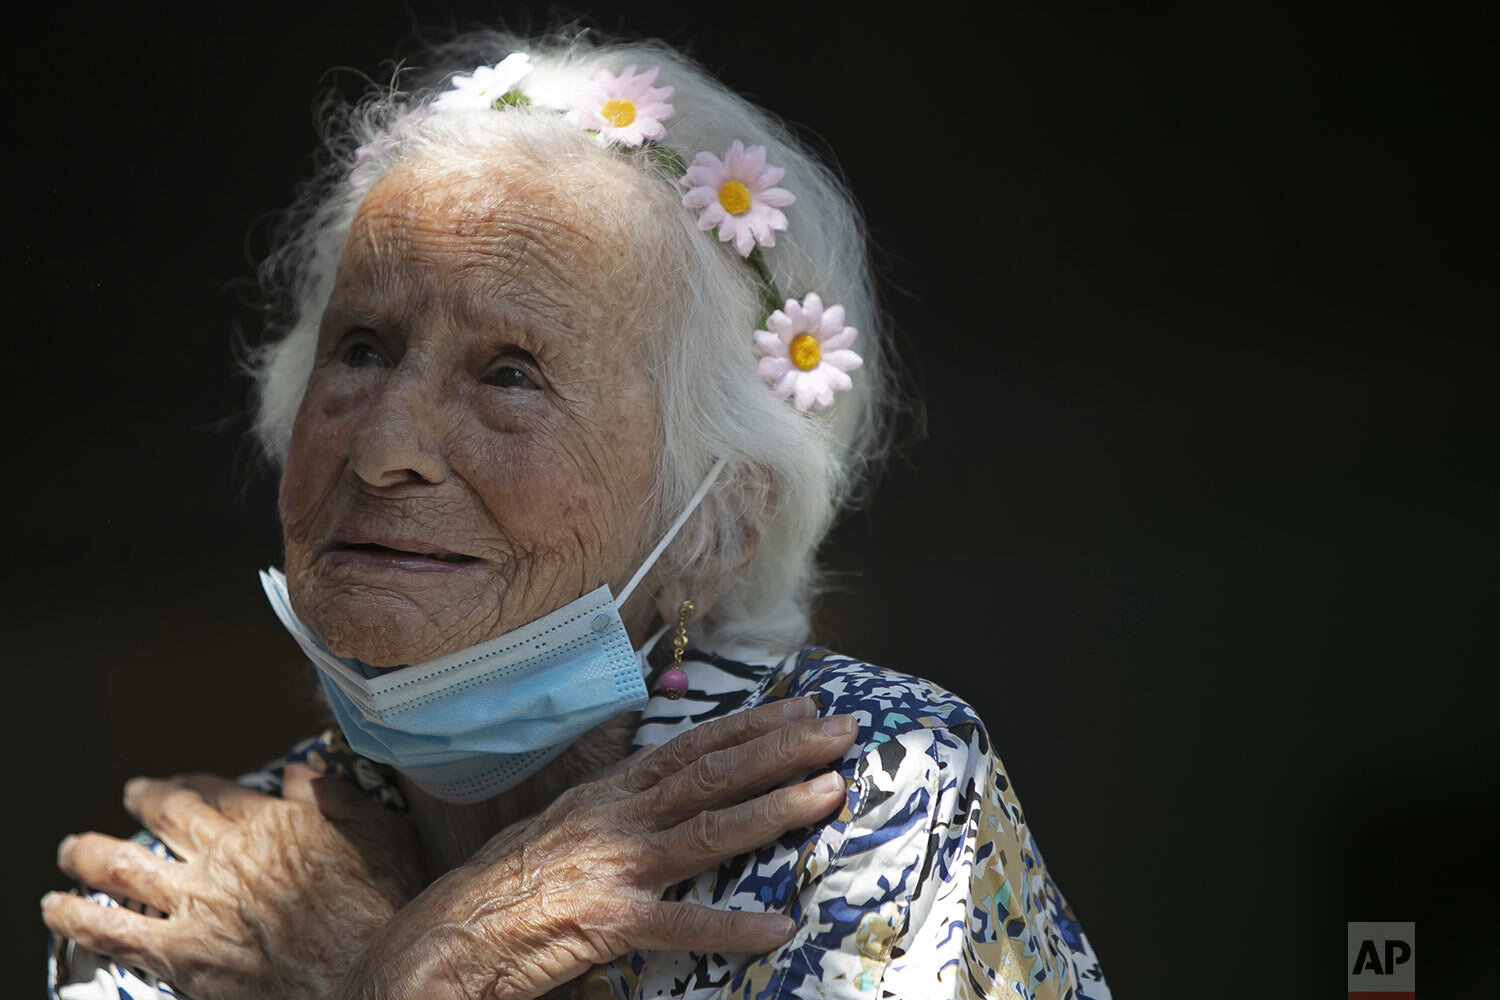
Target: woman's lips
410	557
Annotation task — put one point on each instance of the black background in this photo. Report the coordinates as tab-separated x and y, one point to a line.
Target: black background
1201	308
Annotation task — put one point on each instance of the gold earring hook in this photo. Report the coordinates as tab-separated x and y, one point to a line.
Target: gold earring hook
679	640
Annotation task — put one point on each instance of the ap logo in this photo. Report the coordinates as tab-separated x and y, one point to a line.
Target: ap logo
1382	961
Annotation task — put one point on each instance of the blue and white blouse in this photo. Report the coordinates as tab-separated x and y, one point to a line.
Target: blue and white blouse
927	884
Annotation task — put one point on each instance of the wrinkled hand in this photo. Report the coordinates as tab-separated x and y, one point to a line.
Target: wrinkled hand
273	897
581	883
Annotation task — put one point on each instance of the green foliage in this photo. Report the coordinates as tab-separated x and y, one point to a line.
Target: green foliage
665	157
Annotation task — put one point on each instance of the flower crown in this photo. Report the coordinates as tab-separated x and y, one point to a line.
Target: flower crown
804	346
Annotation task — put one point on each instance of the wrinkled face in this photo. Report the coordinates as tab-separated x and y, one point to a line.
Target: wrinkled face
476	444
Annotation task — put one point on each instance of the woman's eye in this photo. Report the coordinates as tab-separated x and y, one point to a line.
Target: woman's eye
362	355
507	377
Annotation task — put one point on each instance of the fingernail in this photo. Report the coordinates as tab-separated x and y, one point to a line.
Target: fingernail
66	848
839	725
828	783
797	708
132	786
49	900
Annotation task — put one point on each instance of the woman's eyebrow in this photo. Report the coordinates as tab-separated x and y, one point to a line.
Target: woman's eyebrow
361	316
526	307
357	307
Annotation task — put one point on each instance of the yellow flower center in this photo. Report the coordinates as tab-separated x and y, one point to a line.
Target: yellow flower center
805	351
618	113
735	198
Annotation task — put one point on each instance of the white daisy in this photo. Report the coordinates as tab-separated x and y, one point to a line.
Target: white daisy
807	352
737	194
487	85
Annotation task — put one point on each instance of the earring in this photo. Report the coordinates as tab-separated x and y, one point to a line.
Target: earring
673	682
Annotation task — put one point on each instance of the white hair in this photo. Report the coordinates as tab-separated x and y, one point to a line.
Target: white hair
788	473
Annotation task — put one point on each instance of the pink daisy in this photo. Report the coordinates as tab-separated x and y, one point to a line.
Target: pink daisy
738	195
807	352
625	108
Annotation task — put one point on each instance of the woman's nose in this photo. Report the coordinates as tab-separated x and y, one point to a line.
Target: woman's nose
396	440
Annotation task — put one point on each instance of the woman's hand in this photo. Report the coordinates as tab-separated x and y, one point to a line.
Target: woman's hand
581	883
273	898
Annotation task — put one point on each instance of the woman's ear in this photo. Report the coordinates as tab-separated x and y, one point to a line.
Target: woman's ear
706	582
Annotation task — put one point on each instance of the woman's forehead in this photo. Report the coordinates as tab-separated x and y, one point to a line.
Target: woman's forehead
513	225
503	245
587	199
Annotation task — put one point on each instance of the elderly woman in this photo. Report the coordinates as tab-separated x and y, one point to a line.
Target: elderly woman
569	394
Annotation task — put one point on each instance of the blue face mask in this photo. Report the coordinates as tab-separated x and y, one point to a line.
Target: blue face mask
472	724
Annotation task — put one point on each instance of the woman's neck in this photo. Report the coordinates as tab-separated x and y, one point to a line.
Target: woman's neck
450	833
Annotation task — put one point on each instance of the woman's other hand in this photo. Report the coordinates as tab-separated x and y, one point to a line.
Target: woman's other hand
273	898
581	883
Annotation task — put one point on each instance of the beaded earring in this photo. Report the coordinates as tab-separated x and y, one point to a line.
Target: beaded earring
673	682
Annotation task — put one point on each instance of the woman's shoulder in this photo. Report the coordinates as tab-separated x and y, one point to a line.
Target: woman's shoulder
895	711
927	879
913	736
893	701
920	749
886	703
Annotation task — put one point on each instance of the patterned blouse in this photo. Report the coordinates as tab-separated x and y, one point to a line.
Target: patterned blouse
927	884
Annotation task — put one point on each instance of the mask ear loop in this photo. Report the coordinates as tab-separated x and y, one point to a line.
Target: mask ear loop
666	539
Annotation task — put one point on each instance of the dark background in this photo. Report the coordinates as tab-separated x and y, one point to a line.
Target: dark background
1201	307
